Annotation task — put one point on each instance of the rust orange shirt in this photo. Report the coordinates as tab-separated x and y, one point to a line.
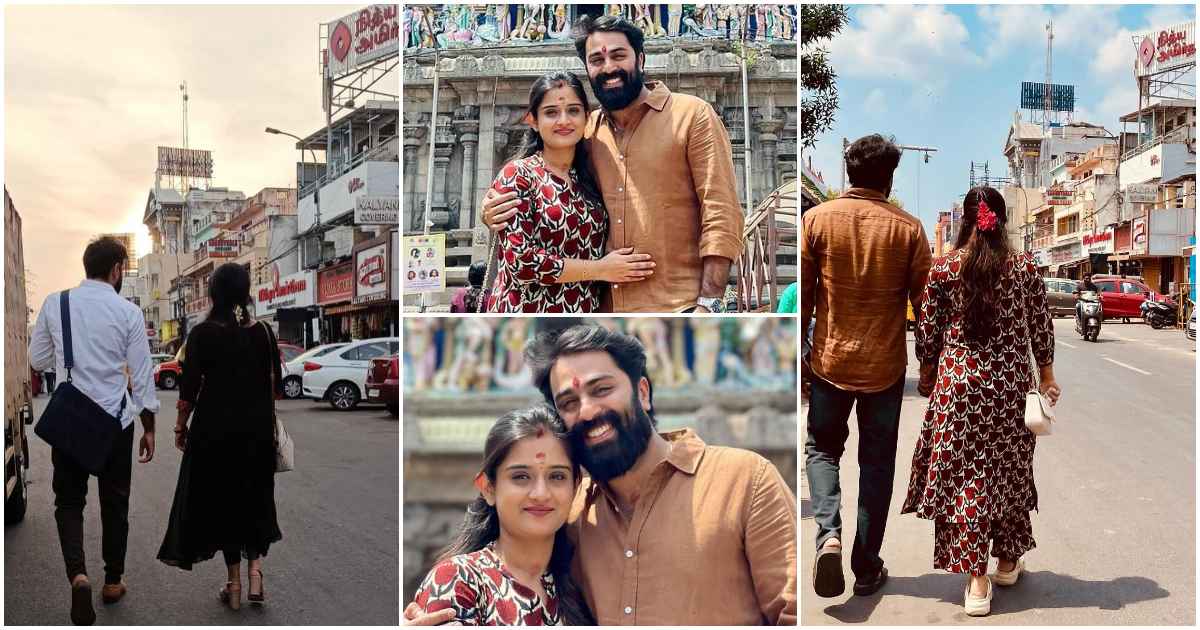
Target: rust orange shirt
711	541
861	258
668	183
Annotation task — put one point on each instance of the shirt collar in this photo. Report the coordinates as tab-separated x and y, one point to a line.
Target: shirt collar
659	94
96	284
687	449
864	193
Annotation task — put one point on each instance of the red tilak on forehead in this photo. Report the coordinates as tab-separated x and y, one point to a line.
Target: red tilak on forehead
604	49
540	456
575	382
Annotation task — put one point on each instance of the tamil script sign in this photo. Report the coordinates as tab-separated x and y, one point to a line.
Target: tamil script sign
184	162
424	263
1166	49
362	37
1033	96
1141	193
377	211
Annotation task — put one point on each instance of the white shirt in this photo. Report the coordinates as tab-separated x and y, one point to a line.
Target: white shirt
108	332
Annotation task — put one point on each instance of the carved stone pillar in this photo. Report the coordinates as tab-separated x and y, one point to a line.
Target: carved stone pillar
412	150
768	138
467	128
737	138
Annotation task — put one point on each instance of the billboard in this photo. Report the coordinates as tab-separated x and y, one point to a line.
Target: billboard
1033	96
184	162
222	248
377	210
362	37
371	274
1141	193
1166	49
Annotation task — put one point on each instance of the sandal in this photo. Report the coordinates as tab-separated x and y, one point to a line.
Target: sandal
256	599
231	595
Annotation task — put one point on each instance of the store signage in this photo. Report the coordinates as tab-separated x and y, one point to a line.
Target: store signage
354	184
377	211
362	37
424	263
395	265
1101	243
1066	254
1141	193
1139	235
335	284
371	274
222	248
1059	197
294	291
1167	49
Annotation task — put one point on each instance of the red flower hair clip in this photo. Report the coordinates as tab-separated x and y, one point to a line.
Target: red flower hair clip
985	219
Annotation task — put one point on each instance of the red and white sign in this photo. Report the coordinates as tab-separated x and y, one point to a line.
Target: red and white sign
371	274
294	291
335	284
1139	235
1059	197
362	37
1101	243
222	248
1167	49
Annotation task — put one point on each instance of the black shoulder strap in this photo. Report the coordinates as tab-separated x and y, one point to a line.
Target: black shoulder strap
64	305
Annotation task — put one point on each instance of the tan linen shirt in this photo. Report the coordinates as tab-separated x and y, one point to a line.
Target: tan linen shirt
669	186
860	259
711	541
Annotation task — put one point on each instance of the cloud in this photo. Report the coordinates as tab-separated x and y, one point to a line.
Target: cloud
902	42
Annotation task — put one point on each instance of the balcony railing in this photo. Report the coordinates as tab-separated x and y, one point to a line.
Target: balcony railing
1179	135
387	150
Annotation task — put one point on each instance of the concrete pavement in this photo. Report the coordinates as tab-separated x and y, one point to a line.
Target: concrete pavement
1116	529
338	562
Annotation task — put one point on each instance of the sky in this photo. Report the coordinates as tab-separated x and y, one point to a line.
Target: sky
90	92
949	77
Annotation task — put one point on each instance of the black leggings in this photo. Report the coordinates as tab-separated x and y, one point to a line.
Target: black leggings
233	555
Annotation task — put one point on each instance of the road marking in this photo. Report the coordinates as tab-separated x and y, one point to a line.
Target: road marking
1066	344
1127	366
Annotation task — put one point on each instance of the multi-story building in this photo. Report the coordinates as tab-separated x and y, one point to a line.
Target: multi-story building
163	265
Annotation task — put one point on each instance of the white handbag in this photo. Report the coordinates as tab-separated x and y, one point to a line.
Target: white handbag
285	451
1039	415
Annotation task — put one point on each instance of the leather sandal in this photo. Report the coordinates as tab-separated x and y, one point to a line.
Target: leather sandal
1008	578
231	595
259	598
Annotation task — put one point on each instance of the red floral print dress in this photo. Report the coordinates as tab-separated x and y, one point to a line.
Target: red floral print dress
554	221
483	593
972	469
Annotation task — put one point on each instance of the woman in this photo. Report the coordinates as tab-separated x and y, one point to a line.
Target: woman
225	497
511	562
552	251
972	473
466	299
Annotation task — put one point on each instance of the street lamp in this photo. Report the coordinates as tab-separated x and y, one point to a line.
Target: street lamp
317	191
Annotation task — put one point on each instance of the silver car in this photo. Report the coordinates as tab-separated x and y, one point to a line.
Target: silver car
1060	295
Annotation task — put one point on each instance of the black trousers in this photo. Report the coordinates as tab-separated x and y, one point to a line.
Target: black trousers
70	496
878	429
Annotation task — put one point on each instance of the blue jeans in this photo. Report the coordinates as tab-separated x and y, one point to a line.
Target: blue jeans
828	427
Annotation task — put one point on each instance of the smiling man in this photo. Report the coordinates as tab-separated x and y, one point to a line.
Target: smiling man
664	165
668	530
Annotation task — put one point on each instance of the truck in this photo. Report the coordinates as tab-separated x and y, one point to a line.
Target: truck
18	393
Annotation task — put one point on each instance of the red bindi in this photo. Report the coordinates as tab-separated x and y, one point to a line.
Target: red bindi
575	382
604	50
540	456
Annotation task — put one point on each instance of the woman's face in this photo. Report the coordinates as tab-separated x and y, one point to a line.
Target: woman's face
561	118
534	488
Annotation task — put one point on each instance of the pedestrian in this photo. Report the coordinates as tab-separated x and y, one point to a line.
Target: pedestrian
983	312
664	167
514	530
225	496
466	299
108	333
668	530
862	258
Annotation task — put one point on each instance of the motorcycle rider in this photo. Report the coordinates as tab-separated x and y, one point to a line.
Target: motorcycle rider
1085	286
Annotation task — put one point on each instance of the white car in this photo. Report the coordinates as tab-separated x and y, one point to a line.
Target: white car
293	371
341	376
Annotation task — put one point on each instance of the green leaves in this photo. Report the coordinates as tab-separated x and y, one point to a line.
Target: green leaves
818	80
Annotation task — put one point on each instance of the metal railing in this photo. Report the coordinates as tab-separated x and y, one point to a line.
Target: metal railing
772	225
1184	135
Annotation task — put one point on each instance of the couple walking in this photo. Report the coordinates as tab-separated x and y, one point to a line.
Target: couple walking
664	530
224	499
629	208
982	311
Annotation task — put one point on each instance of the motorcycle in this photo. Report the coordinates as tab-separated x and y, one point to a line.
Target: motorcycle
1089	314
1158	312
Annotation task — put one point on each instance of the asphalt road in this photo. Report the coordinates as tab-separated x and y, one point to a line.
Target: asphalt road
1116	529
338	562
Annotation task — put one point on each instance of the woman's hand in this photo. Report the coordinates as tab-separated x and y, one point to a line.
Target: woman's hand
1051	390
181	438
622	265
415	616
928	379
498	209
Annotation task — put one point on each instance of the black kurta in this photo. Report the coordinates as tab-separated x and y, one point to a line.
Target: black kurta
225	496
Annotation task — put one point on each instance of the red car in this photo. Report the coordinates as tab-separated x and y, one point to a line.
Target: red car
1123	297
383	383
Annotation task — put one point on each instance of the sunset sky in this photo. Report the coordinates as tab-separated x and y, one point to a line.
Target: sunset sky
91	91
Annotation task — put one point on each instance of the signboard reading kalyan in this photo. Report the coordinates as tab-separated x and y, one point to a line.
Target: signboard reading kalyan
362	37
371	274
1166	49
335	284
294	291
377	211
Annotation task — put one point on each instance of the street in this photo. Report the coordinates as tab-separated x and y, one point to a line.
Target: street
1116	529
338	562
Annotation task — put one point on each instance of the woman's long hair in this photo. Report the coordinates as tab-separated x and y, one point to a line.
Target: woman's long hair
532	142
481	525
229	290
986	254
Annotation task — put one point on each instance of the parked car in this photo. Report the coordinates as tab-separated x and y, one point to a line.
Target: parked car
1190	331
1060	295
293	369
289	351
155	359
1123	297
341	377
167	374
383	383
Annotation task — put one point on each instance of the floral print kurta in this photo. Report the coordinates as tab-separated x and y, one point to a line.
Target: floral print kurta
974	457
483	593
554	221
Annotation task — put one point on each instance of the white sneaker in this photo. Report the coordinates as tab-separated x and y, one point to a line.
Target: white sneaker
978	606
1008	578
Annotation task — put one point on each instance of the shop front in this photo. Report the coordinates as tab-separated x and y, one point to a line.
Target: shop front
378	314
288	303
335	290
1067	260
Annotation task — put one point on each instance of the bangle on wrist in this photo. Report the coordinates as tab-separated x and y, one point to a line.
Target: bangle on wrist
179	429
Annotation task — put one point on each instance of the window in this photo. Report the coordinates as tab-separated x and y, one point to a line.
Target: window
290	353
1130	288
1107	286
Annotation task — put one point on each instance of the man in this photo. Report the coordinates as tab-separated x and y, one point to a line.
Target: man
860	259
108	332
667	530
665	167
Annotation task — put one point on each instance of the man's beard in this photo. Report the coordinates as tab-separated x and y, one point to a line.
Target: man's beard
613	457
618	98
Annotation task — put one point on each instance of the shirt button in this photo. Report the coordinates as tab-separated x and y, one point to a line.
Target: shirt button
621	157
628	610
628	553
618	220
620	190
